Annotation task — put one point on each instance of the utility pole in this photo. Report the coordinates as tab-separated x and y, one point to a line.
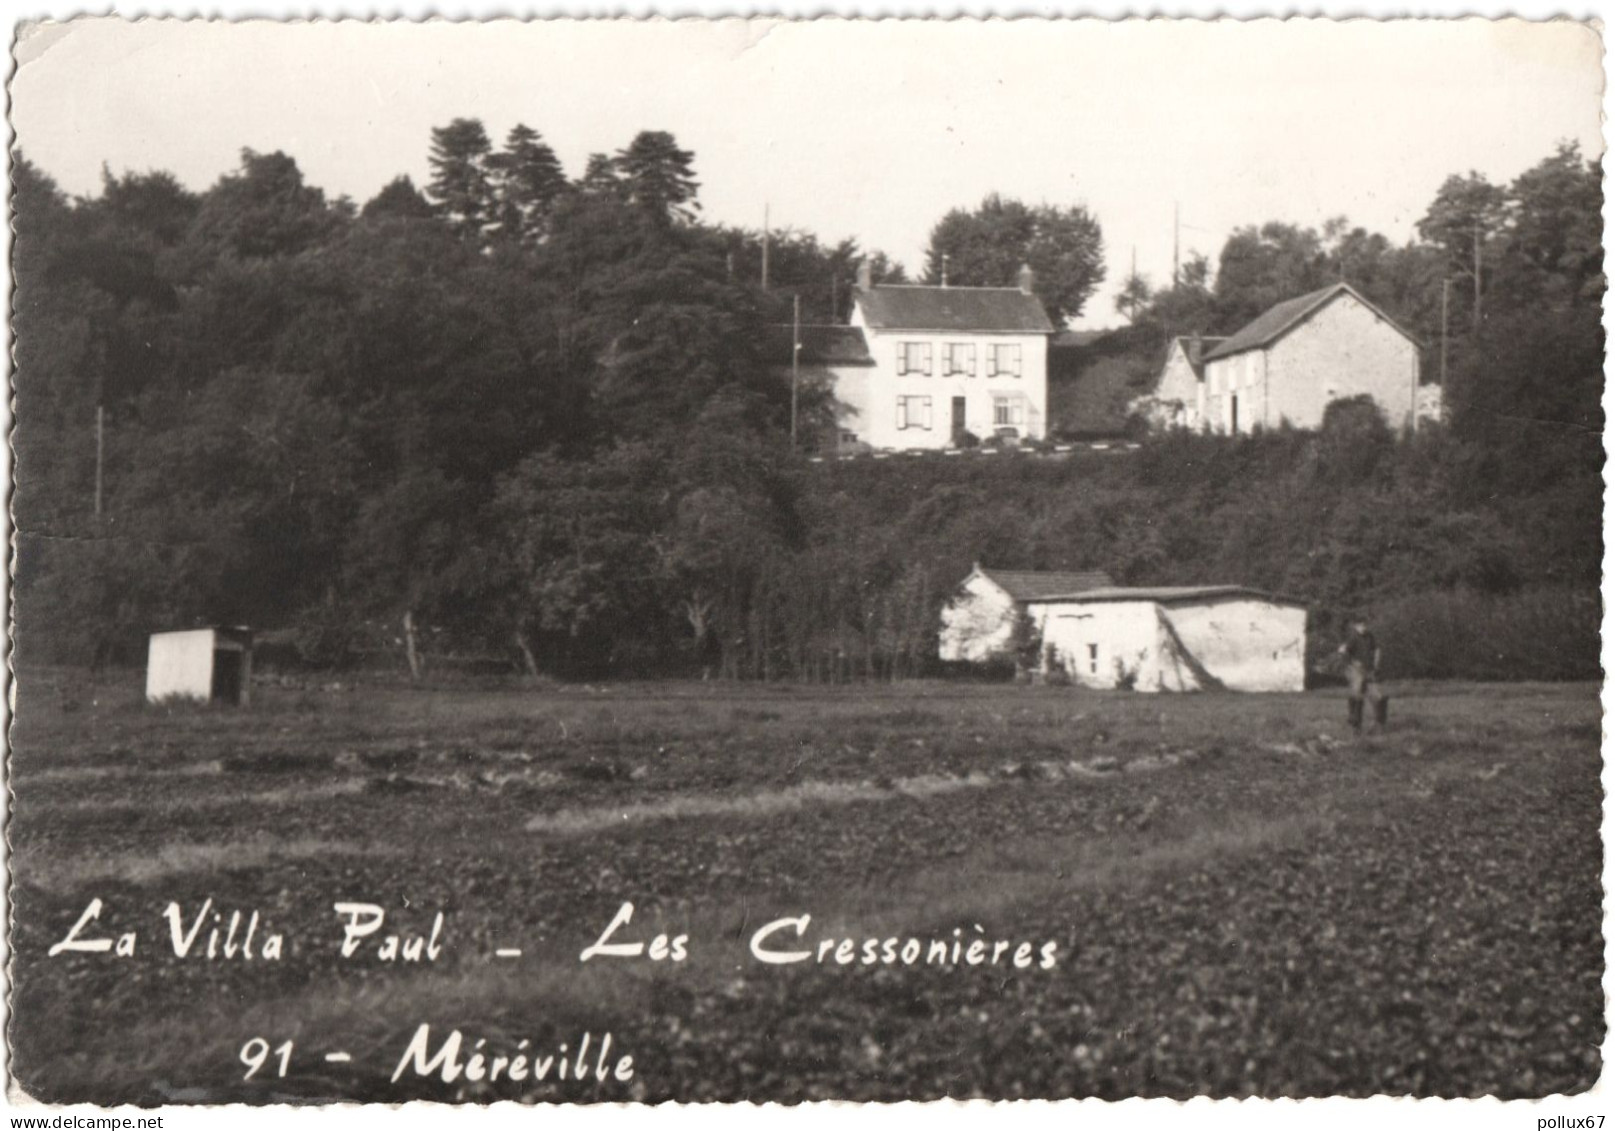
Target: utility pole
100	445
765	247
1174	245
100	423
796	358
1475	317
1446	288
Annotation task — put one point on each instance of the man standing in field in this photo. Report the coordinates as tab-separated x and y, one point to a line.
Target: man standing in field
1361	653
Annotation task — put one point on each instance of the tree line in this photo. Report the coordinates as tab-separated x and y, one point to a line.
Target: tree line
540	418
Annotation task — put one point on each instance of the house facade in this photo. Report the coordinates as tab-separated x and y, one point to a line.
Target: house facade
978	623
1196	638
1287	365
945	362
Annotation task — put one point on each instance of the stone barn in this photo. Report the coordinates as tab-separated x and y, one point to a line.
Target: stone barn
1289	364
205	664
1193	638
978	623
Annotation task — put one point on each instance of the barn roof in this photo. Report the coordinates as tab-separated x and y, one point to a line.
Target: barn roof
1278	320
821	345
1168	594
1030	585
984	310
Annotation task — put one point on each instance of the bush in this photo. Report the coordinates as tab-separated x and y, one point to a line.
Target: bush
1545	634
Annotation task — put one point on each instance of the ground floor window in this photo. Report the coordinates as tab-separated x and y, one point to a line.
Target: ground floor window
914	412
1093	659
1008	412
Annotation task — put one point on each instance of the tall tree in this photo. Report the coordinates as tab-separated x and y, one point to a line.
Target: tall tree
986	248
263	210
658	177
1553	250
600	180
1261	266
1466	216
1135	296
461	184
154	205
527	180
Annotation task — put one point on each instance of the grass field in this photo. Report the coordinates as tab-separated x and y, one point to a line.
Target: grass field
1244	898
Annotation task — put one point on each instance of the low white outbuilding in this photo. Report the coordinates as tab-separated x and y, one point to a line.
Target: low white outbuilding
1193	638
204	664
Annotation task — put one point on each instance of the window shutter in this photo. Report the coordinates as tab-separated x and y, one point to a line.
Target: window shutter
902	413
927	407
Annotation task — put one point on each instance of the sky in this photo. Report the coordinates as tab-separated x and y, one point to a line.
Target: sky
867	129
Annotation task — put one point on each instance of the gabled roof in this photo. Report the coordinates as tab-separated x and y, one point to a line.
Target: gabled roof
1169	594
821	345
1195	350
1271	325
1030	585
983	310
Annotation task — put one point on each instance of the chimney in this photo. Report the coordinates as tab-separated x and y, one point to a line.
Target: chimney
1025	279
944	269
866	278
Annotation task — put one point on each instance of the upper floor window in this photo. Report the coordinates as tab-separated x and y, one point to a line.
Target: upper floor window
914	357
914	412
959	359
1004	360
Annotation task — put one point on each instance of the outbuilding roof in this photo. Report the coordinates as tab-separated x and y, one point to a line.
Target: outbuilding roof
1195	350
821	345
1278	320
1030	585
983	310
1167	594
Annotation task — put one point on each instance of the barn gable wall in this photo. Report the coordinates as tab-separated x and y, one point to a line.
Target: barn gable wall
978	624
1344	350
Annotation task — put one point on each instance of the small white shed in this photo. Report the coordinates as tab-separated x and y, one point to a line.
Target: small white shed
205	664
1192	638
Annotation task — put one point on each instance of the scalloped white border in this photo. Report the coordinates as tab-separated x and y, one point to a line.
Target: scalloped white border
1386	1114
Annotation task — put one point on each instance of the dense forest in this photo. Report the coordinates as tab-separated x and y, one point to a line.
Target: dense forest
537	419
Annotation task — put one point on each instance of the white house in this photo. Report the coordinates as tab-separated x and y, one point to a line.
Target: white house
944	361
205	664
1179	399
1208	637
1289	363
978	623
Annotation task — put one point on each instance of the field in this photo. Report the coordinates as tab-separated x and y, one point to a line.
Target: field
1244	898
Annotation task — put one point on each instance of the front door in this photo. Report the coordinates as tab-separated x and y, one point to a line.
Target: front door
958	418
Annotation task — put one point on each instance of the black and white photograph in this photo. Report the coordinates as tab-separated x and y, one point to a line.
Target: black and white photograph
593	561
